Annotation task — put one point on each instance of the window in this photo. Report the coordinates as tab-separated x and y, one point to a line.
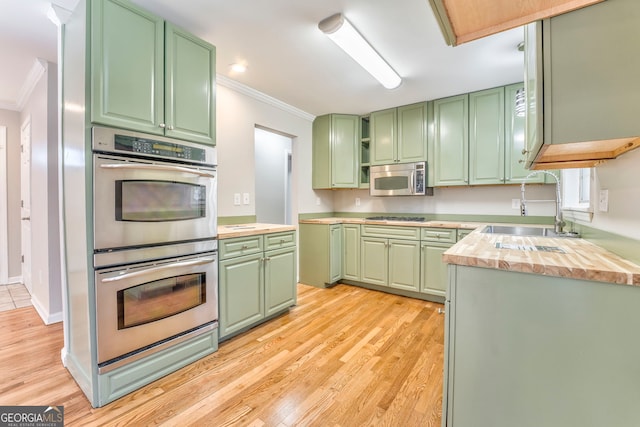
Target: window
576	192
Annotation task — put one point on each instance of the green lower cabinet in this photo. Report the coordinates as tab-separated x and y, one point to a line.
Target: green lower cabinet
351	251
254	287
435	241
434	271
390	262
404	264
241	290
375	260
535	350
279	280
320	254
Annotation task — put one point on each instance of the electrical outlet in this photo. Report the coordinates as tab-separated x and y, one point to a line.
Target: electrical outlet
515	203
357	201
318	201
603	202
236	199
245	198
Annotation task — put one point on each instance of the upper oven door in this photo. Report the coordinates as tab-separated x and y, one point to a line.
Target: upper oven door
142	202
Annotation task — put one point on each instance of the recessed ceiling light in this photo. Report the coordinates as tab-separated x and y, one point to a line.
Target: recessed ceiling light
238	68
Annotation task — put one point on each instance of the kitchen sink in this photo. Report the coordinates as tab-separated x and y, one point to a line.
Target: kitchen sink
240	227
520	230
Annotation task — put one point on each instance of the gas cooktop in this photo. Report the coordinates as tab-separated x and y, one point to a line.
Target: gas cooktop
397	218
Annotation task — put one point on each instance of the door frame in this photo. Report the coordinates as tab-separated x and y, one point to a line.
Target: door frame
4	225
26	124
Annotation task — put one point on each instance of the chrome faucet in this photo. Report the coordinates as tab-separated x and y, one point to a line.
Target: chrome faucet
558	222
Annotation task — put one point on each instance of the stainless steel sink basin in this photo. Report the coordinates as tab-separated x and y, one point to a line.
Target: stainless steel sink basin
521	230
240	227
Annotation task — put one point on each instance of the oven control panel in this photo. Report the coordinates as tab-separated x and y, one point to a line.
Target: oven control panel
158	148
121	141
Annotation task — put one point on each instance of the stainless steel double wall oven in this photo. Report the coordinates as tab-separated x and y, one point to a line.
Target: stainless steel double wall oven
155	243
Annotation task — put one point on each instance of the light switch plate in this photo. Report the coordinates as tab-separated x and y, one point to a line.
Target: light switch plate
245	198
236	199
603	201
357	201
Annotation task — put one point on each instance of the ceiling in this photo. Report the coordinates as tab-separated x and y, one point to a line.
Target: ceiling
287	57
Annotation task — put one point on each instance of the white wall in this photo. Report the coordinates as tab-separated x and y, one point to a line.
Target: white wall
239	110
11	119
41	108
490	200
621	177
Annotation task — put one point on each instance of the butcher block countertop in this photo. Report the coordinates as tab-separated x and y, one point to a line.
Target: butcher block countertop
242	230
437	224
567	257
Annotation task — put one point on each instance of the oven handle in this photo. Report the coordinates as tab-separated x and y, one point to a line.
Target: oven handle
161	268
159	168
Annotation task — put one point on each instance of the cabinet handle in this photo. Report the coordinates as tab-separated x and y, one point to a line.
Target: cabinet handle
244	247
265	259
281	241
162	125
170	127
440	311
525	151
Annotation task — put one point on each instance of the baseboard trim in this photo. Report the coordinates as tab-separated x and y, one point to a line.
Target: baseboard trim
47	318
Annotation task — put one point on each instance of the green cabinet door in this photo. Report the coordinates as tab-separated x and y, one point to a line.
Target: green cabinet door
336	151
241	287
434	271
412	133
345	151
451	141
383	137
279	280
374	258
486	137
351	251
335	253
127	66
404	264
515	139
189	87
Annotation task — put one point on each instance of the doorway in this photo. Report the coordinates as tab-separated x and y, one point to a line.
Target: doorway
25	201
273	164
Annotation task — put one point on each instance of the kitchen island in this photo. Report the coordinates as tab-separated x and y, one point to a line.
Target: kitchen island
540	337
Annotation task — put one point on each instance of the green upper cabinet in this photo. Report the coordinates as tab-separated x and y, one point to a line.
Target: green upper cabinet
384	135
336	151
514	140
399	135
583	84
149	76
190	87
486	137
450	161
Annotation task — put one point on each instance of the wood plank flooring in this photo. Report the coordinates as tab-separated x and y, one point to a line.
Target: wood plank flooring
343	356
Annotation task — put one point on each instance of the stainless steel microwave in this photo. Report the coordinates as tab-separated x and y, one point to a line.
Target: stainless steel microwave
400	179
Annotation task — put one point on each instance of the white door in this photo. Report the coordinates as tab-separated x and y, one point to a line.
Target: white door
25	201
4	240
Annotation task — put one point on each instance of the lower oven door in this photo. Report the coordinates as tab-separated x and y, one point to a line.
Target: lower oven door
145	304
139	202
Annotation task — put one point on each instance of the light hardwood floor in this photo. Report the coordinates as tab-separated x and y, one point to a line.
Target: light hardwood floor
343	356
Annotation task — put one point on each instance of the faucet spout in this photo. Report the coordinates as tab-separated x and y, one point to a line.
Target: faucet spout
558	221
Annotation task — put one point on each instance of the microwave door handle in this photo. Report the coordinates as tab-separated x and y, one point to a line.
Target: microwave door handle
158	168
161	268
412	185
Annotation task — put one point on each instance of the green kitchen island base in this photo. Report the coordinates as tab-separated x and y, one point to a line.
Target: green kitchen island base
533	350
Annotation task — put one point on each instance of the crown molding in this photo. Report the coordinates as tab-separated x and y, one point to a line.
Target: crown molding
30	82
256	94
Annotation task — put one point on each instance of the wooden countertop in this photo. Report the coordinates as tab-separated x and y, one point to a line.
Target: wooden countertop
241	230
580	259
437	224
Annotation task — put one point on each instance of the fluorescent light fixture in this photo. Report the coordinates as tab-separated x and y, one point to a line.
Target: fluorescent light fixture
342	33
